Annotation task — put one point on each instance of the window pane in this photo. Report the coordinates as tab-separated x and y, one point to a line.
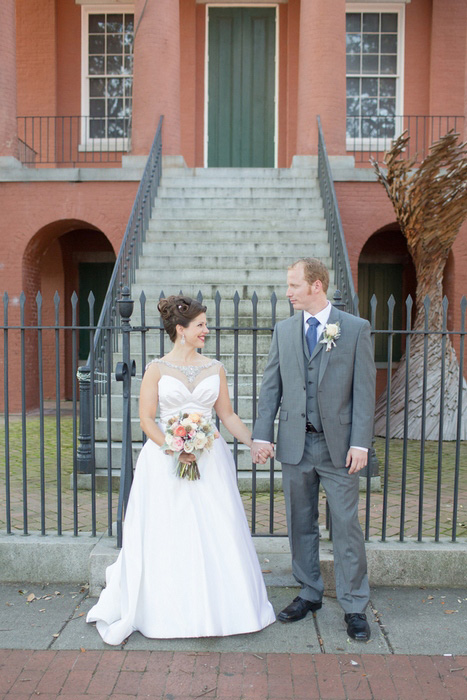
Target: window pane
128	83
115	43
97	128
369	64
370	128
96	65
387	87
97	87
371	22
128	42
387	106
353	87
389	64
370	43
389	43
387	128
369	87
114	23
114	107
353	128
353	107
128	65
353	43
96	43
369	107
96	24
114	87
353	22
353	63
97	108
116	128
114	65
389	22
129	23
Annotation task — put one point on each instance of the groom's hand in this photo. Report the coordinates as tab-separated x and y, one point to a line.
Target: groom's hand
261	452
356	459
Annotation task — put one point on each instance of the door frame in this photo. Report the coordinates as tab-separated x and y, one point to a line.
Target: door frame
276	73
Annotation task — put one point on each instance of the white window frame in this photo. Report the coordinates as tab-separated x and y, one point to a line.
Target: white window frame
89	144
380	7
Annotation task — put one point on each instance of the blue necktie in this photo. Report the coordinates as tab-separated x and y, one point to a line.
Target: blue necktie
312	333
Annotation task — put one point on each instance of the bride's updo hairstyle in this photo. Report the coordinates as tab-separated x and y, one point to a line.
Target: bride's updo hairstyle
178	310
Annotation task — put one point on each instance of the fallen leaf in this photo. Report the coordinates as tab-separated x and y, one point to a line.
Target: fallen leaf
266	571
82	649
450	612
55	635
57	593
430	597
31	597
42	610
354	663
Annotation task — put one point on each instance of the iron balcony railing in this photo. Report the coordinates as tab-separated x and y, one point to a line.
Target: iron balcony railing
421	495
340	259
371	136
45	141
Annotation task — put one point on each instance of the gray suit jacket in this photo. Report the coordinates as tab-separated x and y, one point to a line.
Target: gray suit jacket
346	389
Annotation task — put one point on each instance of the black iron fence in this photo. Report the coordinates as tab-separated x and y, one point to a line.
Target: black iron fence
72	140
52	479
371	136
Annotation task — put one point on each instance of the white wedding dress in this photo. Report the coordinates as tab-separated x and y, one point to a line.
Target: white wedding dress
187	567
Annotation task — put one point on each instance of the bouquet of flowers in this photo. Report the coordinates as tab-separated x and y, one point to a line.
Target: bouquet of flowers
190	433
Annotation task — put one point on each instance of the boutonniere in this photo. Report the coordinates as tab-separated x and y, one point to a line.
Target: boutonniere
331	333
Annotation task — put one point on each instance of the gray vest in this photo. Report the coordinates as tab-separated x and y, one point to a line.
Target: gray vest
311	378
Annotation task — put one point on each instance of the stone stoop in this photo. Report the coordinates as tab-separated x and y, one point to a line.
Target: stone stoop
222	230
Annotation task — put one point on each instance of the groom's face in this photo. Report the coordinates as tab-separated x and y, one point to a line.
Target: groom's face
299	291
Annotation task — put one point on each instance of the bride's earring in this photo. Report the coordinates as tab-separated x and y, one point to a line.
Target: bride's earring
183	339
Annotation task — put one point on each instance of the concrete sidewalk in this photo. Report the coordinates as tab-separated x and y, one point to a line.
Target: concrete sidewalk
418	650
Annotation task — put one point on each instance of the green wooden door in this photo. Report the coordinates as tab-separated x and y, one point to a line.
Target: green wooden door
95	278
241	87
382	280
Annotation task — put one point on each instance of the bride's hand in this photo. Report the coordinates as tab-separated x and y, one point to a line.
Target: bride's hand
186	457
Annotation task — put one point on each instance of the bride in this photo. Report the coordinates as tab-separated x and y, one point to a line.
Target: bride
187	567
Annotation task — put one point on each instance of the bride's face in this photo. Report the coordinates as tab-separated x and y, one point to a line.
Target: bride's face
196	332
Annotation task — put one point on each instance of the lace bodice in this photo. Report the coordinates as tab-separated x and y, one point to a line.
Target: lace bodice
192	388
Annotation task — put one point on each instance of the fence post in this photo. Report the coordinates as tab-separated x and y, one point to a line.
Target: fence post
123	373
85	463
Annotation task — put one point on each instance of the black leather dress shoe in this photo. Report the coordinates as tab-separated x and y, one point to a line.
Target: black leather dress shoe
357	626
298	609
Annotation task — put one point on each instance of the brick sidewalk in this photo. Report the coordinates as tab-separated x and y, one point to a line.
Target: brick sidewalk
95	675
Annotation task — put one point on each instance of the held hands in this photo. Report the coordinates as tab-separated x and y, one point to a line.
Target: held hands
356	460
261	452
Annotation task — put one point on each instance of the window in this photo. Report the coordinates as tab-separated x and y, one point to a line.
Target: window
373	70
107	75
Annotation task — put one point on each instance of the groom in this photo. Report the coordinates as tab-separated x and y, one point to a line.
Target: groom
321	375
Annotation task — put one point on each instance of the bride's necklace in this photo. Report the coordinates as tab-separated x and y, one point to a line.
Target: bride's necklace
190	371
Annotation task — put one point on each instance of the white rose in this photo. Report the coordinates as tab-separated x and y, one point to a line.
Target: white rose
169	438
189	446
332	329
200	441
185	422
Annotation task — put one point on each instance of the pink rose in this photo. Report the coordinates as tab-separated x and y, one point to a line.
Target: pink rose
177	444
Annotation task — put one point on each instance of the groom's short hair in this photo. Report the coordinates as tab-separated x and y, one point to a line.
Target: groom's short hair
313	269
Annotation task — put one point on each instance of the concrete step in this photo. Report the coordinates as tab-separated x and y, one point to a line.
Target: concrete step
209	289
213	275
101	428
166	259
244	342
101	452
194	209
228	360
277	226
235	183
239	191
248	253
268	174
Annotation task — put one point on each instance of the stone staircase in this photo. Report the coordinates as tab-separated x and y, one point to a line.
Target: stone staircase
227	231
